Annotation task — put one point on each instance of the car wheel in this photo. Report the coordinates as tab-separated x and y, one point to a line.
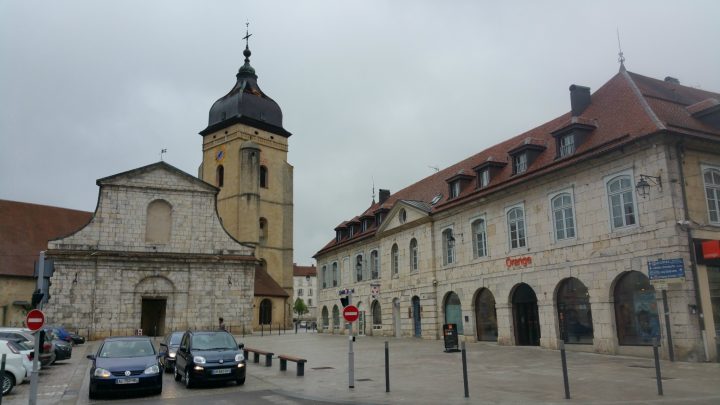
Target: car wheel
8	382
188	382
240	381
177	374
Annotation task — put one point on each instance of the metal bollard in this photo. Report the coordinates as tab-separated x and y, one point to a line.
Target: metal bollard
657	367
387	367
464	366
262	329
563	359
296	326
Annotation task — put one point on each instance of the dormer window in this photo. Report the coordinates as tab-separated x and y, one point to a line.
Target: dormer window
520	163
525	154
454	189
457	183
566	145
487	170
352	231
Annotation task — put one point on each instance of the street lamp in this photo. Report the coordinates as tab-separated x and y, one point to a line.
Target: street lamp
643	185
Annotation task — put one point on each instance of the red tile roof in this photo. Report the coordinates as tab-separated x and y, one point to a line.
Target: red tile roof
25	230
627	107
304	271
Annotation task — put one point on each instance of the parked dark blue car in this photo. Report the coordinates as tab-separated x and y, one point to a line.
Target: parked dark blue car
125	364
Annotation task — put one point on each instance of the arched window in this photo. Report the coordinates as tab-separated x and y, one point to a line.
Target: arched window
574	316
220	176
453	312
486	316
413	254
358	268
402	215
395	259
621	201
376	315
448	246
712	193
263	177
323	276
265	312
374	265
336	317
334	274
516	227
263	230
325	319
159	222
479	238
563	216
636	316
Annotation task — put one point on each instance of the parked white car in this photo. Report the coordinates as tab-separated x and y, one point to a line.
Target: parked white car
28	352
14	370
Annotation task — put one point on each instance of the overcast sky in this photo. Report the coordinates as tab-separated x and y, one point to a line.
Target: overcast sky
371	90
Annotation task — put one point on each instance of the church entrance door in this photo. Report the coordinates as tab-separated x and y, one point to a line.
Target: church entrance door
152	320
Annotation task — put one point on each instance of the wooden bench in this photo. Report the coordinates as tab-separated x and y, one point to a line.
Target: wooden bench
256	355
284	358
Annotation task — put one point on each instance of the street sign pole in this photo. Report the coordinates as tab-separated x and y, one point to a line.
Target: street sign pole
34	375
351	354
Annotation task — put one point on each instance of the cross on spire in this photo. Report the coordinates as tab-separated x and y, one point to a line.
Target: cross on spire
247	35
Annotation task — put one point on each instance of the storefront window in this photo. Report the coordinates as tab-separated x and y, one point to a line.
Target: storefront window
453	313
376	315
636	316
714	281
573	305
336	317
325	320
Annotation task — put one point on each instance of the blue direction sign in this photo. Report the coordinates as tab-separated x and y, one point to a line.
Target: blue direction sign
666	269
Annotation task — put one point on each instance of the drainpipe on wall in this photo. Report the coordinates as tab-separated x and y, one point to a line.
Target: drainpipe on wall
691	246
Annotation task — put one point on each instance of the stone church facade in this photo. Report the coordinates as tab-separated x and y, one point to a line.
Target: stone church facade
155	256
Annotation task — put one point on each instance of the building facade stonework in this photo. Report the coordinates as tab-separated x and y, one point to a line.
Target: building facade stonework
548	237
155	257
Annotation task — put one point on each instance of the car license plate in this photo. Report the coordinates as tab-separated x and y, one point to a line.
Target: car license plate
221	371
127	381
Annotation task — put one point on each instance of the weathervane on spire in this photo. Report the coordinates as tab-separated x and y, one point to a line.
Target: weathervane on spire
621	58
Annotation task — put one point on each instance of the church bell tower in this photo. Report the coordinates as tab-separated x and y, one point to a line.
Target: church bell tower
245	155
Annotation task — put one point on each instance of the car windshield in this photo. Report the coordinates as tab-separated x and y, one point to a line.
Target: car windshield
175	338
127	348
214	341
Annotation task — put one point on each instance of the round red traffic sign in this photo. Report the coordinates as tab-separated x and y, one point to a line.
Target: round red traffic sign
351	313
35	319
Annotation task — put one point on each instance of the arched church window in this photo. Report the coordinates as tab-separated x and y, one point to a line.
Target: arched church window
265	312
159	222
220	176
263	177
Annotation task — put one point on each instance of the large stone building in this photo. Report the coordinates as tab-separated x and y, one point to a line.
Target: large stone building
155	256
245	155
24	231
305	288
554	234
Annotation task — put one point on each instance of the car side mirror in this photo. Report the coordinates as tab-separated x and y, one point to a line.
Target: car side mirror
91	357
241	346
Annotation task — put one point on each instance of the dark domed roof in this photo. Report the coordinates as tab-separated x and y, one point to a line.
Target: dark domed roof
247	104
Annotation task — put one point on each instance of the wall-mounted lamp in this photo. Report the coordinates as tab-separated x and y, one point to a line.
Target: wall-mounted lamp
75	279
643	185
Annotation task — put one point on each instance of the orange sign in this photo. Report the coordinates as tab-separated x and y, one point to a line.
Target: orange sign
522	261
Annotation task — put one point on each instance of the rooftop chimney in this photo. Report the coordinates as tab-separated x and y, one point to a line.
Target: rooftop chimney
384	195
579	99
670	79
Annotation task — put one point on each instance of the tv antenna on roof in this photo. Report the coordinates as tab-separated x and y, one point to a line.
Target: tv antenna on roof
373	188
437	169
162	152
621	58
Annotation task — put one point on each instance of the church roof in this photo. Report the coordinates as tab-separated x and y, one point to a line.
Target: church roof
25	230
265	286
626	108
246	103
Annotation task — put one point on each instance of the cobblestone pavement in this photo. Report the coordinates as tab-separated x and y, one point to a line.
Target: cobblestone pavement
420	373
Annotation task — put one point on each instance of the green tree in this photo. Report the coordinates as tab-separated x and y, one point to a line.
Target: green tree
300	308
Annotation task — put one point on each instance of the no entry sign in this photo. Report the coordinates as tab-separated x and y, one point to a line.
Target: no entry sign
350	313
35	319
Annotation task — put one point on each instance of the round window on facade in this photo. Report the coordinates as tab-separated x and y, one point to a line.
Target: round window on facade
402	215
